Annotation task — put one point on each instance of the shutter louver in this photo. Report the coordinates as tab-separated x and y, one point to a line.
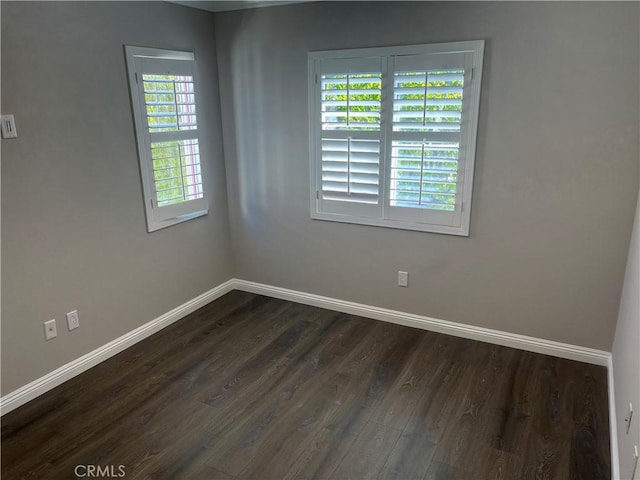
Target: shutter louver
170	102
350	169
176	171
350	143
424	174
427	113
351	101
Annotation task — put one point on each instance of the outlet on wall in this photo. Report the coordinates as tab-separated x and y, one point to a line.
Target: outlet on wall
73	320
50	330
403	278
8	126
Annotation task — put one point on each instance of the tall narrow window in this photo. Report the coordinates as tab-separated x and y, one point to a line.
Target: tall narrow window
163	94
393	135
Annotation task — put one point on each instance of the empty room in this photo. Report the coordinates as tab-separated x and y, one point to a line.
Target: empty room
320	239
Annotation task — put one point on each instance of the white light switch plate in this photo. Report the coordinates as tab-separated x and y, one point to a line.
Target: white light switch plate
8	126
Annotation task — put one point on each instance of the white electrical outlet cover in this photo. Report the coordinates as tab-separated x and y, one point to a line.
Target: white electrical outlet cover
50	330
8	126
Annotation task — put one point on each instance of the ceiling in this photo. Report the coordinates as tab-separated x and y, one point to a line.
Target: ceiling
227	5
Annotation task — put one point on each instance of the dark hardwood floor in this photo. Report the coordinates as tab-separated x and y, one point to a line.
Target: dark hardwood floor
254	387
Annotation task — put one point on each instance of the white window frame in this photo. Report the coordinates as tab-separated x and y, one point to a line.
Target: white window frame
383	214
141	60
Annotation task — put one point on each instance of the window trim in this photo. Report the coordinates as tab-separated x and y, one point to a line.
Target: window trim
465	182
161	217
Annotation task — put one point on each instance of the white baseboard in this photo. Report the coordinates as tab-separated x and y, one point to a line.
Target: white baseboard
522	342
563	350
43	384
613	423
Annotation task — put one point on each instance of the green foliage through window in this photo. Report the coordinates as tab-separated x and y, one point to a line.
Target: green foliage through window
170	102
176	170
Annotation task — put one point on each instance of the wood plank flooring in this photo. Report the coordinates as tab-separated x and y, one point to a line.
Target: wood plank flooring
251	387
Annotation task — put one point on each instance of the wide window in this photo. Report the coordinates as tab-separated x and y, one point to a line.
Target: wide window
164	99
393	133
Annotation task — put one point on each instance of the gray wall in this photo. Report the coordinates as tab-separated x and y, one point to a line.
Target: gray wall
626	355
556	168
555	187
73	225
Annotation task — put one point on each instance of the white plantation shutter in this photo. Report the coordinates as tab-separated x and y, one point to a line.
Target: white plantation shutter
163	90
350	170
424	174
349	145
424	164
170	102
393	135
429	102
351	101
171	120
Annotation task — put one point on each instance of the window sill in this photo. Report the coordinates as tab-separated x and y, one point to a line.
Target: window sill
462	231
154	225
